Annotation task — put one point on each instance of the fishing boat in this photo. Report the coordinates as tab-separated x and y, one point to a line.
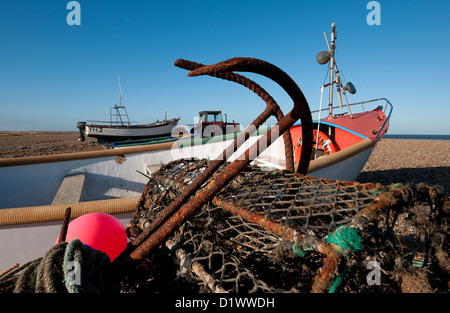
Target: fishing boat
36	190
343	140
120	128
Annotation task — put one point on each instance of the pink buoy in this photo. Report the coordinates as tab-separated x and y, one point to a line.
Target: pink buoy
99	231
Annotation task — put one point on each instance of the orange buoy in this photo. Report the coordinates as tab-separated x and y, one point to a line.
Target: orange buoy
321	140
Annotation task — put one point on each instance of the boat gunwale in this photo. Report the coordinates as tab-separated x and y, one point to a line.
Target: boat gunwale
150	125
64	157
44	213
55	212
340	156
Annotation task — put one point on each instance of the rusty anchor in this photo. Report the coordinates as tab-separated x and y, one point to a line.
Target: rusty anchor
173	216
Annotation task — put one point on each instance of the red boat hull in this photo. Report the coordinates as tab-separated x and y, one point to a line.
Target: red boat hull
344	131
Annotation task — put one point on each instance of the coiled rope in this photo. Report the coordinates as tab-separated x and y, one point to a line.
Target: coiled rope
65	268
345	239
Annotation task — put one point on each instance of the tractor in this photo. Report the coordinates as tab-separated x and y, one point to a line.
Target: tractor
211	124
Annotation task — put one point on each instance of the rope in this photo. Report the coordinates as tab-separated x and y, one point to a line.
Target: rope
346	239
65	268
318	121
298	250
337	281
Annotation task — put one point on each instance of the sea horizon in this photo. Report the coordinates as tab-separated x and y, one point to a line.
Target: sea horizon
416	136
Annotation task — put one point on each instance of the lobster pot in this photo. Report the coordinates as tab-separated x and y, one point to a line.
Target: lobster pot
283	232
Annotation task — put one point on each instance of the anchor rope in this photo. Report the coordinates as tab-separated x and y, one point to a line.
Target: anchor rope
66	268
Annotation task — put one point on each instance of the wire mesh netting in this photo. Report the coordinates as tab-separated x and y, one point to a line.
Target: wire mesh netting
283	232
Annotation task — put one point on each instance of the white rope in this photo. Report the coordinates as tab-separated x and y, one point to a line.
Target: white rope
318	121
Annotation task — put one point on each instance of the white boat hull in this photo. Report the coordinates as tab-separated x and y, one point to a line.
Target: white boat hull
113	133
109	178
106	178
343	165
347	169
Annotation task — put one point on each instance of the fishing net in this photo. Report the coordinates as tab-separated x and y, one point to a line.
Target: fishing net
273	231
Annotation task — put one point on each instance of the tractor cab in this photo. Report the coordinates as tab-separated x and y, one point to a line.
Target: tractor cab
211	123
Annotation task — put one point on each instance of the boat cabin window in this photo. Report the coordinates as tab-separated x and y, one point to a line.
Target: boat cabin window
212	117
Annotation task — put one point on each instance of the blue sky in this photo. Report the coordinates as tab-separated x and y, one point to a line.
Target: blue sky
53	74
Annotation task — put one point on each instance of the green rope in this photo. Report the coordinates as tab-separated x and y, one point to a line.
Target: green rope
346	238
417	263
299	250
57	270
337	281
395	186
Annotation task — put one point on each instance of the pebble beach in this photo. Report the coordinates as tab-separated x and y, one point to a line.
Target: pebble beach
409	161
392	160
21	144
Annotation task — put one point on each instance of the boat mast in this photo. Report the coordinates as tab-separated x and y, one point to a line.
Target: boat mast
120	102
331	51
328	56
120	91
117	107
